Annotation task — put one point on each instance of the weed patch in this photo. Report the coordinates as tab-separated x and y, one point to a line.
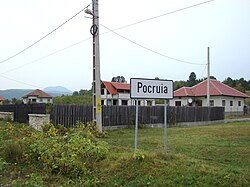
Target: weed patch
216	155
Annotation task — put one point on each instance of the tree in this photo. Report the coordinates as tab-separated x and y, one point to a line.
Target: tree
75	93
120	79
85	92
179	84
192	77
16	101
241	84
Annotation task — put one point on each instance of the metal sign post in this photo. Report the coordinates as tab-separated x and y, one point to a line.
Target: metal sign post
151	89
136	125
165	127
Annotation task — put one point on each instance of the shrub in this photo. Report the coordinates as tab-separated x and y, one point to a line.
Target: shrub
13	142
139	156
32	180
3	164
13	151
71	154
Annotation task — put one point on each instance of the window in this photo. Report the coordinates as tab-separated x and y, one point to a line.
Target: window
48	100
124	102
223	102
40	100
239	103
211	102
199	102
109	102
177	103
139	103
115	102
102	91
231	103
149	103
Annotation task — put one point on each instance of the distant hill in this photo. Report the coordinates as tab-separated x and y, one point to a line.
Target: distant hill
14	93
19	93
57	91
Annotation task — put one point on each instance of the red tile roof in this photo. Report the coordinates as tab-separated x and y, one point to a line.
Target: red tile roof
38	93
1	98
184	91
216	89
114	87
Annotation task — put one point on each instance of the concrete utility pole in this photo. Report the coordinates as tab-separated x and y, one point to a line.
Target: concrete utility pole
208	77
97	106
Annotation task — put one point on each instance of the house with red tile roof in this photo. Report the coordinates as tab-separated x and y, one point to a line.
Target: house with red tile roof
115	93
37	96
1	100
220	95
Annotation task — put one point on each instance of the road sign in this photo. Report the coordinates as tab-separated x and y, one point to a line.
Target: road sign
151	88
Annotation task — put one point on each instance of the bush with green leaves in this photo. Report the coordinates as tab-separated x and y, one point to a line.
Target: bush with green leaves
71	154
14	142
3	164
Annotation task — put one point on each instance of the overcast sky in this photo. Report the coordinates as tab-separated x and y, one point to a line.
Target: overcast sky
222	25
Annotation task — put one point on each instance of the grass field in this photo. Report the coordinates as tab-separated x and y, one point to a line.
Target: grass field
216	155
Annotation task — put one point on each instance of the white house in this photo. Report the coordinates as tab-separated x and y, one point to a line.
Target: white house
37	96
220	95
114	93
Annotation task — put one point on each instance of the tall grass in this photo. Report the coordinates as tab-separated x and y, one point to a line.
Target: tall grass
216	155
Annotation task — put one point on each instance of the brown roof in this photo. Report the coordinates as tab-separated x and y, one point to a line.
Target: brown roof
113	87
38	93
216	89
1	98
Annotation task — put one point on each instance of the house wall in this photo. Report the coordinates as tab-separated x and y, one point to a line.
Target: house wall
108	99
37	100
183	100
217	100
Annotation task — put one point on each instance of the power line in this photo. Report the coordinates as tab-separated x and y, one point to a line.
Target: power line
46	56
44	36
204	71
14	80
151	50
109	30
165	14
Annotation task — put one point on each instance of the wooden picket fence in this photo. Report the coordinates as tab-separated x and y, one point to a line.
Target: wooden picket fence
69	115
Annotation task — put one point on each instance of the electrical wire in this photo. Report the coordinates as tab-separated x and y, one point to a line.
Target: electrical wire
151	50
45	36
203	72
109	30
165	14
14	80
46	56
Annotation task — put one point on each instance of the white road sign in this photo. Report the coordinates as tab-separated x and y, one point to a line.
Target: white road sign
151	88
